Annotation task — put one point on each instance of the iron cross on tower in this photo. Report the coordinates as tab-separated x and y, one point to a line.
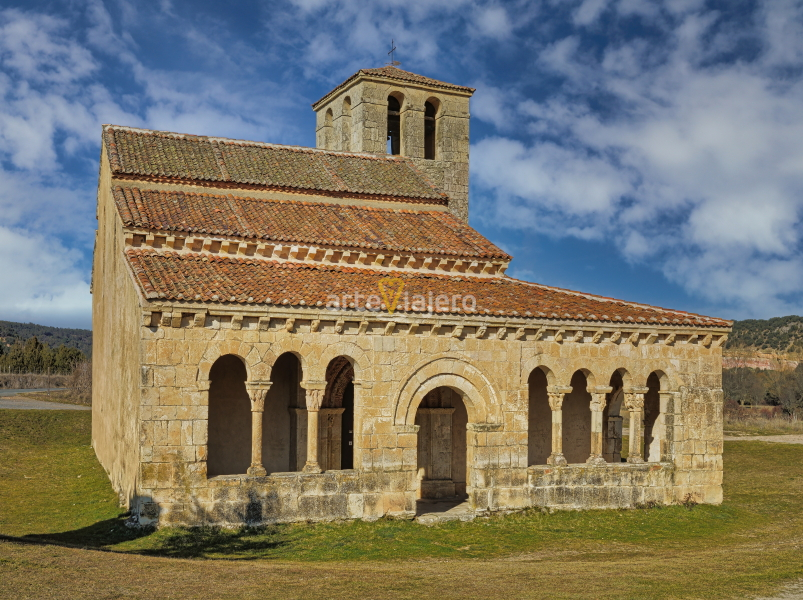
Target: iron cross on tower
393	62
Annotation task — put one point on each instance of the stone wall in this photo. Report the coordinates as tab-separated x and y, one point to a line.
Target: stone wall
116	377
394	368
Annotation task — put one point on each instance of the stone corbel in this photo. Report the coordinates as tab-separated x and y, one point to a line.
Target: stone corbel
540	333
651	338
457	332
559	336
413	329
147	318
633	338
520	333
339	326
237	322
501	332
721	341
390	327
289	324
363	328
615	337
199	320
707	340
481	331
691	339
578	336
167	319
670	339
597	337
315	325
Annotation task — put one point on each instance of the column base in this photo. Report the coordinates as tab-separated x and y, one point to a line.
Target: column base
636	460
256	471
556	460
596	460
311	467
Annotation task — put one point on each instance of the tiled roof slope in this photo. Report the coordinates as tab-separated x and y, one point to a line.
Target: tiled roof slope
198	277
432	232
391	72
146	153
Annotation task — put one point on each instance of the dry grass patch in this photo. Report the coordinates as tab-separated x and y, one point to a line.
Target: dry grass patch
745	547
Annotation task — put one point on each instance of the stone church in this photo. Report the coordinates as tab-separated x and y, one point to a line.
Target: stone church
296	334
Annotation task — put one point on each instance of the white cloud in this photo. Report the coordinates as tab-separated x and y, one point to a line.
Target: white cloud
43	282
699	164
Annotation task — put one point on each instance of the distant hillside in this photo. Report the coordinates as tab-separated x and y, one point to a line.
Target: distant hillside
54	337
783	335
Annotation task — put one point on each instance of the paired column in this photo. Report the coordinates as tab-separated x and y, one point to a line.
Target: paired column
257	391
598	402
634	402
314	398
555	394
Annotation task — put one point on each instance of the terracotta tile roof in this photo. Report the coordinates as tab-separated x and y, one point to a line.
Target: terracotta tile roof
196	277
146	153
390	72
431	232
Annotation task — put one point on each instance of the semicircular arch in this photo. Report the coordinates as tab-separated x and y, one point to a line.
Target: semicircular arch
482	402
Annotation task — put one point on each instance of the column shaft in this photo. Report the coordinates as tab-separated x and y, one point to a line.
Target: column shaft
598	402
556	404
314	399
257	391
635	404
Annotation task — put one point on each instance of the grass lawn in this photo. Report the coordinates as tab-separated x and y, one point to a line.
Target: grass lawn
53	489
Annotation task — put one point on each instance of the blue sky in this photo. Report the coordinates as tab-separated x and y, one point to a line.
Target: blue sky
646	150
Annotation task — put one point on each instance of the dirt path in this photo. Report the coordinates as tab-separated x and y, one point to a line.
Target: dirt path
21	403
780	439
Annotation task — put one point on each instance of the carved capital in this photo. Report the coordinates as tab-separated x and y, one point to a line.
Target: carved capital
314	399
555	401
257	391
598	401
634	401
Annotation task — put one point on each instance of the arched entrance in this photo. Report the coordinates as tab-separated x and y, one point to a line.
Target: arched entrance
229	424
612	420
539	419
653	426
284	421
442	419
336	425
577	421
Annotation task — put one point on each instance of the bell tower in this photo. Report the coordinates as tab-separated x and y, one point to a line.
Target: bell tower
390	111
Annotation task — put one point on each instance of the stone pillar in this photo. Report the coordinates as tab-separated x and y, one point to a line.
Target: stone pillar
314	399
257	390
664	430
555	394
598	401
634	402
